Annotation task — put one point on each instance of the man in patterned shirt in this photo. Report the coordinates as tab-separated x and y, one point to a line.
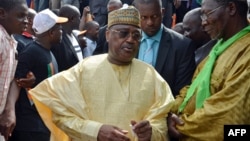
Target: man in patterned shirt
13	19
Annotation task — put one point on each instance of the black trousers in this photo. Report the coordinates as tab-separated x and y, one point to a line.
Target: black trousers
29	136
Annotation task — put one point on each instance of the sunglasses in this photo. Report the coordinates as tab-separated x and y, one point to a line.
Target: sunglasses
125	34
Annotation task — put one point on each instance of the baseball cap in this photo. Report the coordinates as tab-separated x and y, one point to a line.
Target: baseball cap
45	20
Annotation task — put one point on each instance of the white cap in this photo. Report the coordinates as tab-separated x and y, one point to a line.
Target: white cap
45	20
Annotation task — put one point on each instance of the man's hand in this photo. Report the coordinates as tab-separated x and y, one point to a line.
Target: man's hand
7	123
27	82
142	129
112	133
174	120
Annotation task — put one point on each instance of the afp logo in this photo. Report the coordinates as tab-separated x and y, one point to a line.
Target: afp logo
239	132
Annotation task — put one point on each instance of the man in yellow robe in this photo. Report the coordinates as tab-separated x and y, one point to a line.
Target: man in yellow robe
219	93
111	96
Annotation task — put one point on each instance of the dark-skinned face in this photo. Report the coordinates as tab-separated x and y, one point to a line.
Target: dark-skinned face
216	19
15	20
151	18
123	43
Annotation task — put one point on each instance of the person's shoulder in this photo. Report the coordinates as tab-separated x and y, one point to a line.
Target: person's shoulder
22	39
93	63
19	38
2	30
175	35
33	48
144	67
95	60
33	43
104	27
3	33
141	64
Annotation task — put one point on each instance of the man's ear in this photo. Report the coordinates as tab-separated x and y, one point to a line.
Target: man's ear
232	8
2	13
51	32
107	35
30	21
163	11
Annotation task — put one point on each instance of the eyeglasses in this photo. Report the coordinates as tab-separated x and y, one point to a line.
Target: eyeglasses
204	16
126	33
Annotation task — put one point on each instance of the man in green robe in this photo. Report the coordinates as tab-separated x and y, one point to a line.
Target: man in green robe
219	93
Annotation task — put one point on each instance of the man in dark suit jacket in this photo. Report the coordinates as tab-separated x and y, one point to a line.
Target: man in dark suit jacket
192	26
129	2
98	8
173	54
167	15
102	44
65	52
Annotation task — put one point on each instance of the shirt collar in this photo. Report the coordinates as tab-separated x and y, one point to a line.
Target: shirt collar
156	37
8	37
27	34
5	32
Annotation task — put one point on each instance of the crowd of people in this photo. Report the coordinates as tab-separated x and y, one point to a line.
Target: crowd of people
118	70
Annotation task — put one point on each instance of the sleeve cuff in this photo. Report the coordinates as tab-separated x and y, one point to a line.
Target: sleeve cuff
91	130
